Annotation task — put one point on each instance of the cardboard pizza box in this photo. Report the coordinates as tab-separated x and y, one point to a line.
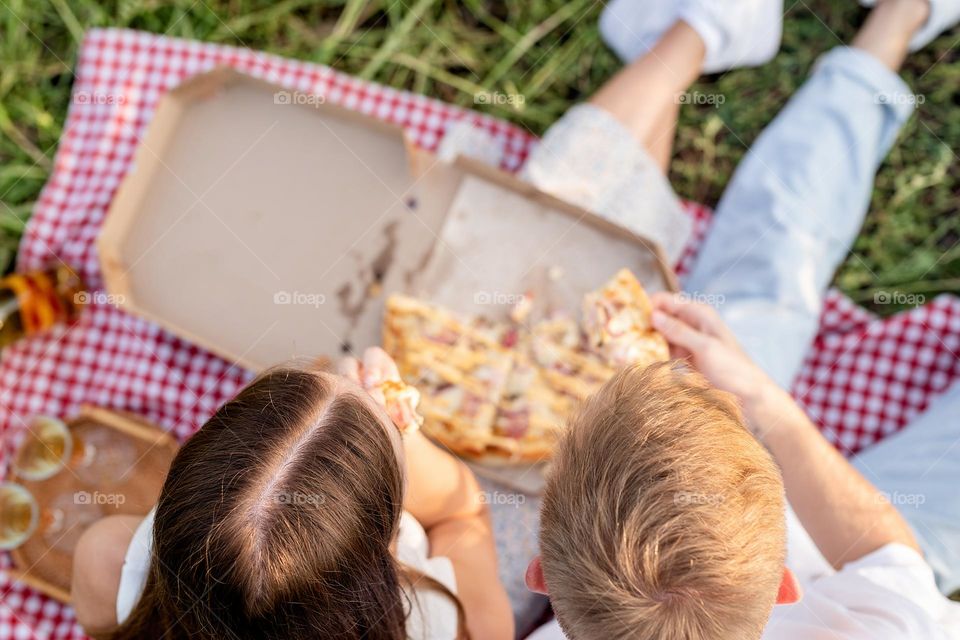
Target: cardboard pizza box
265	225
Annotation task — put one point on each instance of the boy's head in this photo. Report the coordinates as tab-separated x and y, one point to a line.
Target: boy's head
663	517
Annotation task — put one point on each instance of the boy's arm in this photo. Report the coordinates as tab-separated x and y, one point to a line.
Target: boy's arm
846	516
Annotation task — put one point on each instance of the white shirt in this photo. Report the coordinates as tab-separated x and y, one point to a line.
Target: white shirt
433	615
889	594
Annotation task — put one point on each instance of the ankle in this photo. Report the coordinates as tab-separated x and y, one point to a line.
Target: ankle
909	14
889	29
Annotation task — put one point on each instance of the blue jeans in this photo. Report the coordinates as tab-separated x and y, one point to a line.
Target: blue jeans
785	223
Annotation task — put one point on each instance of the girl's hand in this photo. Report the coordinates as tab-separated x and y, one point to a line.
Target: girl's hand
378	374
377	367
349	368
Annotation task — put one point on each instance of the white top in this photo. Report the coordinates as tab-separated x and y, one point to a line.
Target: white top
889	594
433	615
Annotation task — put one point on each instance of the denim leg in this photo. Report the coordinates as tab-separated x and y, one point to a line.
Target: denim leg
790	215
918	469
795	205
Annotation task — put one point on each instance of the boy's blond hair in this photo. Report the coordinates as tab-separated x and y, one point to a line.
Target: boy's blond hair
662	517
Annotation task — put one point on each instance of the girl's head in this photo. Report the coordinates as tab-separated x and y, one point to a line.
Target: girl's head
277	519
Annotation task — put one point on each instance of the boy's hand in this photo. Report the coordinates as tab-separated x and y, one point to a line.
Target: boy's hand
696	332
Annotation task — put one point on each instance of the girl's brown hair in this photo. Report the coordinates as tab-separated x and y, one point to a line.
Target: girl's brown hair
276	521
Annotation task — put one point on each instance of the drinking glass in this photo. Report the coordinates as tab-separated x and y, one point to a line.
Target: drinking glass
19	515
47	449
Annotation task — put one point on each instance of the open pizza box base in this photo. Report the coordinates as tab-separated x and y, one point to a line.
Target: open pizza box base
265	226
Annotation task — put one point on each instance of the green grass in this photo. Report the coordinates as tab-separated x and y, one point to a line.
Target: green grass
550	53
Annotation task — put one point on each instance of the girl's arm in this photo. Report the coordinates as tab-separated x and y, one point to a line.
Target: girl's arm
439	486
97	562
445	498
467	540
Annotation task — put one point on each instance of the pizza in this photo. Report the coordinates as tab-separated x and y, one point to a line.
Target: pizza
559	348
501	392
401	401
616	319
459	369
530	416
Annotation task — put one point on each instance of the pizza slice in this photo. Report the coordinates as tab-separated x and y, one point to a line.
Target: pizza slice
500	391
531	414
460	371
401	401
616	319
559	348
407	318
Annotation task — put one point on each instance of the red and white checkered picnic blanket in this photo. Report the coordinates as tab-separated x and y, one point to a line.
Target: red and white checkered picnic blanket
864	378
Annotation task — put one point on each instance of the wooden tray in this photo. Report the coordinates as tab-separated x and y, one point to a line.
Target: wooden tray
49	568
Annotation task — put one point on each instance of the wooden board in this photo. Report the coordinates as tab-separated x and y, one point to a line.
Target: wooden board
81	495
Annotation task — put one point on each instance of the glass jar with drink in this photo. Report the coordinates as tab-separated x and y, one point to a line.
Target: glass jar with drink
37	300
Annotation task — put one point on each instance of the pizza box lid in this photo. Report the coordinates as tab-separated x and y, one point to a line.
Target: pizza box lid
267	225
